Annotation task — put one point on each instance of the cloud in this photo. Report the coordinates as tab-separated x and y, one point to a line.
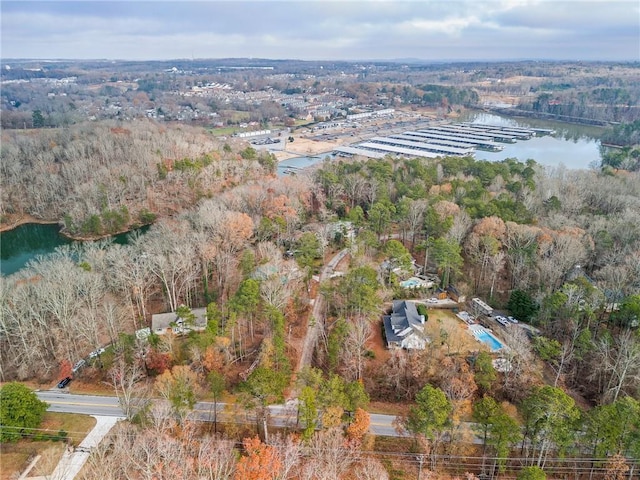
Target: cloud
315	29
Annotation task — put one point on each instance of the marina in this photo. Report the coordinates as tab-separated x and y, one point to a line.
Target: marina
475	133
435	141
424	146
461	139
478	143
399	150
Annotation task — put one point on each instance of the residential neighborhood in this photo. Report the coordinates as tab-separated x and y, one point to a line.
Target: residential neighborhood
319	241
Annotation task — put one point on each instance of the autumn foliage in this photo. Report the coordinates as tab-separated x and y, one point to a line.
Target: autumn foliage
65	369
157	362
260	462
360	425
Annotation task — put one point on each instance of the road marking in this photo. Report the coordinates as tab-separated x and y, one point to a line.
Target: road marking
58	402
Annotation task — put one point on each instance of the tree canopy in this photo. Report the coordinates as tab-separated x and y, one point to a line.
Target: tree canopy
20	411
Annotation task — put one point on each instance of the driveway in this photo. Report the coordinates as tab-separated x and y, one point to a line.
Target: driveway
72	461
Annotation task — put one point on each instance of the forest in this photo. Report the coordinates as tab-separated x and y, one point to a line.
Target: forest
558	248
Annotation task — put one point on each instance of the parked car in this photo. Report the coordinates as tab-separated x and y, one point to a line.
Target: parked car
513	319
97	353
64	382
79	364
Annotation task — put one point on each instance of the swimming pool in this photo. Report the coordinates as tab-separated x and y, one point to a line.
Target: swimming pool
485	337
411	283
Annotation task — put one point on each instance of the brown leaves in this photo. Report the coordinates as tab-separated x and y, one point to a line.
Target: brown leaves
157	362
332	417
446	209
65	369
491	226
360	425
213	360
237	229
456	379
260	462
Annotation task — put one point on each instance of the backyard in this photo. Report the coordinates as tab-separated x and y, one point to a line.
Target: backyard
445	328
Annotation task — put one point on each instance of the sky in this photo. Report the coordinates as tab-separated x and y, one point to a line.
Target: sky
442	30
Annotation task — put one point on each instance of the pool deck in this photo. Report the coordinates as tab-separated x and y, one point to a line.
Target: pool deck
477	330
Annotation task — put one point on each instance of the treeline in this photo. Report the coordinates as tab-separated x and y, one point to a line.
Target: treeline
79	298
544	244
603	104
568	241
103	178
627	137
438	95
164	448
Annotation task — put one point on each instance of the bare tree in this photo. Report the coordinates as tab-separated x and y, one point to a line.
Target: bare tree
132	395
370	468
415	219
171	261
329	457
617	365
519	365
354	350
460	227
290	451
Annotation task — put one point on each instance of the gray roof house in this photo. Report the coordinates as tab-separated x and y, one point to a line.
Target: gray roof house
160	322
404	328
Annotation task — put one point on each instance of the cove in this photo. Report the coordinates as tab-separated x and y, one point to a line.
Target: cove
27	241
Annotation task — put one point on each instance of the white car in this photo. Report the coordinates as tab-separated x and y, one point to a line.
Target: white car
513	319
432	300
79	364
96	353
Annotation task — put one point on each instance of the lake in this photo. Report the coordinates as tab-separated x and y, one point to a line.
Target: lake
574	146
27	241
292	165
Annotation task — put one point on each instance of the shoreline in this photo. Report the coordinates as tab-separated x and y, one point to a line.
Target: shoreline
24	220
27	219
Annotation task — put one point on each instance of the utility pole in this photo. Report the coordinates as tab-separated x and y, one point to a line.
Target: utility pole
420	459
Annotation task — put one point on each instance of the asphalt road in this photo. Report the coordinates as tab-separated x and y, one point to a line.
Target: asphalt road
279	415
64	402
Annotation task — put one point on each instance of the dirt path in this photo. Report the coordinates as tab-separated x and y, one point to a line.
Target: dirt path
314	324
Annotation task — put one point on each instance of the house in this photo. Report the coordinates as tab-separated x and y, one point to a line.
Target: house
404	328
160	322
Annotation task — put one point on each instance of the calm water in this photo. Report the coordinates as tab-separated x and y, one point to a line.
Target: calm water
25	242
574	146
294	164
21	244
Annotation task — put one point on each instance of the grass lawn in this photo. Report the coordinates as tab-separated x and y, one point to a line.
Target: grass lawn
388	408
90	387
444	327
227	131
16	456
399	467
